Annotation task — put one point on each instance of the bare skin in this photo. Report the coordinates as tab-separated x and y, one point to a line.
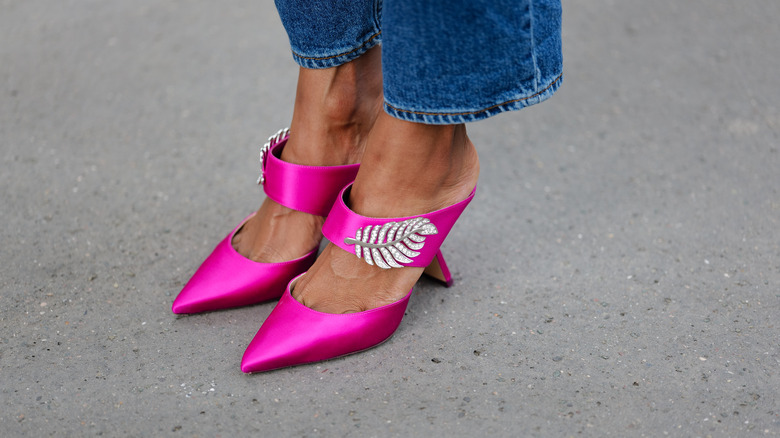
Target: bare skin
408	168
334	110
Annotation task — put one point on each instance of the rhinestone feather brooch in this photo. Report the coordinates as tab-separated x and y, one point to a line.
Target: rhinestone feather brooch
393	243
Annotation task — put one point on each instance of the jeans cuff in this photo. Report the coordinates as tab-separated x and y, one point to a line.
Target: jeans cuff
458	117
338	58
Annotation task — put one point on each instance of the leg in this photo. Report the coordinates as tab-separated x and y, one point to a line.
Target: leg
469	60
334	110
408	168
337	102
427	162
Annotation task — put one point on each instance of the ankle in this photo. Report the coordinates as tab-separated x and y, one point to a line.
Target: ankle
325	144
412	168
335	109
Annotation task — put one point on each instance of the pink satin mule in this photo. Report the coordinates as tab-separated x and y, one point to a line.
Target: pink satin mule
294	334
226	278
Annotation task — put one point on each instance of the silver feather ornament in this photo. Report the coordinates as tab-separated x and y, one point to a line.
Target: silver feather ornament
393	243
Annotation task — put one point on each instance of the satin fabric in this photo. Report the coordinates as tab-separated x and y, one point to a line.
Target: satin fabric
228	279
343	223
294	334
309	189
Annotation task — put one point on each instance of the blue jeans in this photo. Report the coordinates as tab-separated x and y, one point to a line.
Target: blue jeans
443	61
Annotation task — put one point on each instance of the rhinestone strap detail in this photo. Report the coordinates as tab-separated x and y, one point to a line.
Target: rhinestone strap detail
392	243
272	141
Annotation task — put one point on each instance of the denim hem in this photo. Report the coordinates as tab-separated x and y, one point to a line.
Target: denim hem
339	58
457	117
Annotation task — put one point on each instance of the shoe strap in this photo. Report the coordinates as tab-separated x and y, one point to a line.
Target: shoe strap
391	242
310	189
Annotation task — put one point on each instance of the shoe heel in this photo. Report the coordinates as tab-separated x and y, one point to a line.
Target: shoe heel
439	271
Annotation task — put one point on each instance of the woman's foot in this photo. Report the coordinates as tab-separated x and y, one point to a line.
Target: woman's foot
408	168
335	108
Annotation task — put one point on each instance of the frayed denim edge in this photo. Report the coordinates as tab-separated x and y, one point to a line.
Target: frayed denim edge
338	59
442	118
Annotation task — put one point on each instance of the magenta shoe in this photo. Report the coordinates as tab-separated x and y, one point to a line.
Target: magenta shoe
294	334
228	279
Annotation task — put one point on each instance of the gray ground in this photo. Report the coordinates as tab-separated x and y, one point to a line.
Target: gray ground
616	275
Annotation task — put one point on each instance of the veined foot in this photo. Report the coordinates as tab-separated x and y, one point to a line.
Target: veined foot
395	180
277	234
335	108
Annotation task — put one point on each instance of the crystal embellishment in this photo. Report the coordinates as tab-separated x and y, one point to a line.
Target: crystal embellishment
272	141
393	243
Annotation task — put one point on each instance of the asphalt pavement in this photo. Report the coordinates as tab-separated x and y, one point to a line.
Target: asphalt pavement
618	273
